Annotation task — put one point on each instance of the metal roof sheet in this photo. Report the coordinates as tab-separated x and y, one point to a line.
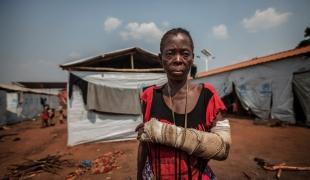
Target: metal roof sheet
109	55
16	88
257	60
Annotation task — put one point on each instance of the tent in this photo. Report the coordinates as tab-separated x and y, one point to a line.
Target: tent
103	94
19	103
264	85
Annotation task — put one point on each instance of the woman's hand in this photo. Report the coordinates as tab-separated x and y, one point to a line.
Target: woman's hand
140	130
142	152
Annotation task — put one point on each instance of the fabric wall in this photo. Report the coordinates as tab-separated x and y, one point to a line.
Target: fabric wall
88	126
117	92
31	106
52	100
13	109
123	79
114	100
262	85
2	107
301	83
113	92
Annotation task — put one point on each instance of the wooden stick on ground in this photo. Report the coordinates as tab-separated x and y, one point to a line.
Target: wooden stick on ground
280	171
278	167
50	164
284	167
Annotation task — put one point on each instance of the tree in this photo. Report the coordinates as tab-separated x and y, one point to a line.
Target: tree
306	41
307	32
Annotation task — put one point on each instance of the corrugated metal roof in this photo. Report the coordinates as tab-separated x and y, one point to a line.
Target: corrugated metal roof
258	60
16	88
109	55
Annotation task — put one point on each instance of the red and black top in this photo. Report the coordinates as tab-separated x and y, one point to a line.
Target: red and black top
168	162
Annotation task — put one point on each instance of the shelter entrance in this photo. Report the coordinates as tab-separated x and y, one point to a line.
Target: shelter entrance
301	89
233	104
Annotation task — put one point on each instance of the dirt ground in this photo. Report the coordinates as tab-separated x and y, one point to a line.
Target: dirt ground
288	144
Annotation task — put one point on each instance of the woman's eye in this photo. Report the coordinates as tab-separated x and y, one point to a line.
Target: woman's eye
186	54
169	53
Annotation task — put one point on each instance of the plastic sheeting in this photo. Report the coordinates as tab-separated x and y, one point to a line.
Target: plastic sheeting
89	126
115	100
256	95
302	88
13	109
265	89
3	106
31	106
123	80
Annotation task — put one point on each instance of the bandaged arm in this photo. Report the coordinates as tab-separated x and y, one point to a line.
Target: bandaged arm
222	129
207	145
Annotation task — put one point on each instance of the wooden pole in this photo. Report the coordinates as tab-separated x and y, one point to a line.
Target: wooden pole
159	70
131	61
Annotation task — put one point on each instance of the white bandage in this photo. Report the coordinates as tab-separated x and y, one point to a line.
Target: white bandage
222	128
202	144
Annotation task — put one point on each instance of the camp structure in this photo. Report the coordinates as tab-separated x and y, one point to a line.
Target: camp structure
275	86
19	103
59	88
103	94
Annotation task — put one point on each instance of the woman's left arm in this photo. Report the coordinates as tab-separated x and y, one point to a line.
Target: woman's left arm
221	127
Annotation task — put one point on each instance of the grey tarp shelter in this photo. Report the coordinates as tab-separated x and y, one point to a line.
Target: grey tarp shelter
20	103
264	85
301	82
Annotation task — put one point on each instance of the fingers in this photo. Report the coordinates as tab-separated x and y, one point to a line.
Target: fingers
140	130
141	125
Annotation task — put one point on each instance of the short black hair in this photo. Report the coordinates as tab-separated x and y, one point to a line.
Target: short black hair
175	31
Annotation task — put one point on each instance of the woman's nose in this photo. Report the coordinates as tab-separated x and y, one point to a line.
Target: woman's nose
178	57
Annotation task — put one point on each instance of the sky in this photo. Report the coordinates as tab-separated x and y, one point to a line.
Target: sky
38	35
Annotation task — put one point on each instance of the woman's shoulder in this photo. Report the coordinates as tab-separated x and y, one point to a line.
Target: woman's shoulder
209	87
147	92
203	87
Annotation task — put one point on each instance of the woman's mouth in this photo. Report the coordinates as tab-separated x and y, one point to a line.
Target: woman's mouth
177	71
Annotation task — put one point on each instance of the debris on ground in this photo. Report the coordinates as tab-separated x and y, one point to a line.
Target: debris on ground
86	163
17	139
101	165
6	135
30	168
5	128
278	167
250	174
270	123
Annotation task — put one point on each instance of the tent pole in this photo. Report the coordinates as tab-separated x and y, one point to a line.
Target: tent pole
131	61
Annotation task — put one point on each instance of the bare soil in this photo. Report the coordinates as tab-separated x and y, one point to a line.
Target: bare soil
289	144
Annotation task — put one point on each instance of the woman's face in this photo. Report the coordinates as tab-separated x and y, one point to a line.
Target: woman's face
177	56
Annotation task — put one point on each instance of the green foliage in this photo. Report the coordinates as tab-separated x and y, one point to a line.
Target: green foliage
307	32
305	42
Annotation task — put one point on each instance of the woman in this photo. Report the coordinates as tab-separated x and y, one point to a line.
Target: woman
179	104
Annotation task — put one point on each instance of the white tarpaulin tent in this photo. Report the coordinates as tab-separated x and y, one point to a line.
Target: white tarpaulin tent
263	85
86	125
103	94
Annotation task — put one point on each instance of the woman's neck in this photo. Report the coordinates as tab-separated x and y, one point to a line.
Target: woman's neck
177	86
